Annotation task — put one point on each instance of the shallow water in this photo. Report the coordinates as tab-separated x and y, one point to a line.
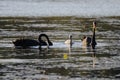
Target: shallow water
59	62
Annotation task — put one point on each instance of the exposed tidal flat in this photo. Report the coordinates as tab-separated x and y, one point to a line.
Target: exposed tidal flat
79	63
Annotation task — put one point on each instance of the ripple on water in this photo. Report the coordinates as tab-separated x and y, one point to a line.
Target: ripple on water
59	62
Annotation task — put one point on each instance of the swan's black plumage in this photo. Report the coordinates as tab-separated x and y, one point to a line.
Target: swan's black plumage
90	41
42	42
93	42
25	43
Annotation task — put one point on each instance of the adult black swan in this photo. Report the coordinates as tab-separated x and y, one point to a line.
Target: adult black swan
90	41
27	43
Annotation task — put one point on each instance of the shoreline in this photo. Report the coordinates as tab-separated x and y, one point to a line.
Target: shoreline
57	17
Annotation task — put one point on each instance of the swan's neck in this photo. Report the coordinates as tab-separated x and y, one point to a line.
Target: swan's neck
43	35
70	40
93	39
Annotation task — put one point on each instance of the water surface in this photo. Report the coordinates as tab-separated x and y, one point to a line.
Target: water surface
60	61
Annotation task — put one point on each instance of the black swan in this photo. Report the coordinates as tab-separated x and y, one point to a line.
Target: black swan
26	43
90	41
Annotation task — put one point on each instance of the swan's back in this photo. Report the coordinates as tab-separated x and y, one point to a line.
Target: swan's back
69	41
25	42
86	41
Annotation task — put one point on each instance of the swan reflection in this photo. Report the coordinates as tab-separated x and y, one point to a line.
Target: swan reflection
94	58
67	55
43	52
92	52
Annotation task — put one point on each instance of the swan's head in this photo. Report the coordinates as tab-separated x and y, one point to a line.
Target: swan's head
83	38
70	36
